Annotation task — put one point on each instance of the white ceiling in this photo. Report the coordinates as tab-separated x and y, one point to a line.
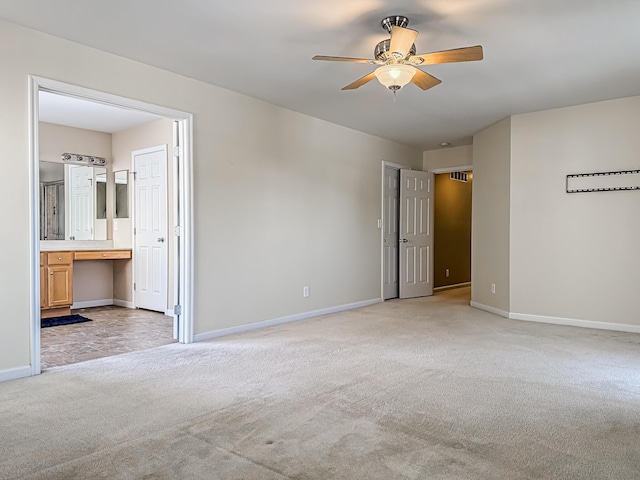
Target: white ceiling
75	112
539	54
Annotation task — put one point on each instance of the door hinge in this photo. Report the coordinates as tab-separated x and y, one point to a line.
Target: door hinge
177	309
134	286
177	151
177	230
134	230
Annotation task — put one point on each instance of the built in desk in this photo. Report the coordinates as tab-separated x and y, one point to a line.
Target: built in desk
56	277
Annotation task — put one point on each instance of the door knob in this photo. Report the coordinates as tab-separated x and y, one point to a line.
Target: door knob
404	240
161	239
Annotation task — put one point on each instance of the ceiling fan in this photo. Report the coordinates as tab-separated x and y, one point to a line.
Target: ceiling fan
398	60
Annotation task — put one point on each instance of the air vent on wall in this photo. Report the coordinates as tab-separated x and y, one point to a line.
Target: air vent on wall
459	176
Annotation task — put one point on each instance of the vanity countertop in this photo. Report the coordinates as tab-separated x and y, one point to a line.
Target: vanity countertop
78	245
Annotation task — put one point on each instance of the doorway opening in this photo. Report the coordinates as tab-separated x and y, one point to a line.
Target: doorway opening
452	229
107	224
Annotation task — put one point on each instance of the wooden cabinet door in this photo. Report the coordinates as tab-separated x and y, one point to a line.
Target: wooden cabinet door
43	287
44	294
60	285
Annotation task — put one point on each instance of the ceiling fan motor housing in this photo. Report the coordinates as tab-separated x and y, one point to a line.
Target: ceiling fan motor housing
382	50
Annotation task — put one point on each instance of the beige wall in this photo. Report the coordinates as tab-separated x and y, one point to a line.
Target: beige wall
125	142
58	139
92	280
282	200
575	256
447	157
452	230
491	214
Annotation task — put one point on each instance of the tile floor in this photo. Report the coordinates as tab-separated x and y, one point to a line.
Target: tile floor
113	330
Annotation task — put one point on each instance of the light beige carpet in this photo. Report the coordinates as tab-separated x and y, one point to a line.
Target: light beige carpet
409	389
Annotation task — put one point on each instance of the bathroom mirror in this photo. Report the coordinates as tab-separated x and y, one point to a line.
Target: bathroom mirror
72	202
122	194
101	196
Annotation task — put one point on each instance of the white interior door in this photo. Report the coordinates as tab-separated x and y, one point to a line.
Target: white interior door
416	233
150	231
391	196
80	207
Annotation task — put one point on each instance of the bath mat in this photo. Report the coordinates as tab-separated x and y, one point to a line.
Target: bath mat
63	320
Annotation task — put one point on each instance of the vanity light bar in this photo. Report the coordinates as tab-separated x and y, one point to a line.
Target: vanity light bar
86	159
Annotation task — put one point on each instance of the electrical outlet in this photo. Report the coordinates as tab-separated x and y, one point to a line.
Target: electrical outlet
305	291
446	272
493	288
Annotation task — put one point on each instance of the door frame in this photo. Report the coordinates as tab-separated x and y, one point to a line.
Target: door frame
438	171
396	166
183	201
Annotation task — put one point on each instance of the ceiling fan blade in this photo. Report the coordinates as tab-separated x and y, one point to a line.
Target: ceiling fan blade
343	59
466	54
401	40
361	81
424	80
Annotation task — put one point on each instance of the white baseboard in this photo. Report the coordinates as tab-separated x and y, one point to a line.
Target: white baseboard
15	373
123	303
92	303
200	337
451	287
487	308
572	322
169	313
619	327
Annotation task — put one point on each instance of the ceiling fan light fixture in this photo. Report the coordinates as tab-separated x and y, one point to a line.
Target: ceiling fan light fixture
395	76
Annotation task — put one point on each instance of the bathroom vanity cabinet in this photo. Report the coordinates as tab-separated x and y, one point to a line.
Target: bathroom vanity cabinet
56	277
56	283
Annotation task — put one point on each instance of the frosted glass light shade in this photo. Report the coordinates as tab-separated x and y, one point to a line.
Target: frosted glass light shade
395	76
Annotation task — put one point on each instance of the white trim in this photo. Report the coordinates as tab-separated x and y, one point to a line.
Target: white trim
34	225
15	373
123	303
381	228
169	313
464	168
451	287
619	327
201	337
487	308
92	303
62	88
186	270
175	253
